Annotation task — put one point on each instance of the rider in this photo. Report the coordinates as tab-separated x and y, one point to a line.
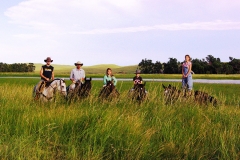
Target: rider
137	79
109	77
46	74
77	75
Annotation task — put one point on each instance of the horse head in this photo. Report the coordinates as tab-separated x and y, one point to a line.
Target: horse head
171	94
85	87
204	98
60	85
110	86
139	91
169	90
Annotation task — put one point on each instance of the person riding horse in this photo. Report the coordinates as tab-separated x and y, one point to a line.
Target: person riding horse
109	77
137	80
109	84
46	74
138	92
77	76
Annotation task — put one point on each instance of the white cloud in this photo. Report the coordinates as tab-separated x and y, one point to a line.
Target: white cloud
112	16
215	25
89	27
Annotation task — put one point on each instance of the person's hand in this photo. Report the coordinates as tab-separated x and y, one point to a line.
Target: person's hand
47	79
73	81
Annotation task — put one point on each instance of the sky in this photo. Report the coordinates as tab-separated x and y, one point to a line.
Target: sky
121	32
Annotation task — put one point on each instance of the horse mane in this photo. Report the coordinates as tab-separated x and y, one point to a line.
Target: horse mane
59	79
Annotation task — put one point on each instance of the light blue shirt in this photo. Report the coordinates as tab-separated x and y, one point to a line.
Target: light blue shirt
109	78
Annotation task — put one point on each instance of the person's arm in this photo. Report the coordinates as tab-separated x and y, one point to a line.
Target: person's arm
72	76
189	69
141	81
42	76
83	77
114	80
182	72
52	75
105	80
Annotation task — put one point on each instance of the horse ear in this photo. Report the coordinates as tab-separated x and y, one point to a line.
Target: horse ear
164	86
90	78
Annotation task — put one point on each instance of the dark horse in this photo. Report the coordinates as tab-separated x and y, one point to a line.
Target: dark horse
204	98
108	91
81	90
138	92
171	94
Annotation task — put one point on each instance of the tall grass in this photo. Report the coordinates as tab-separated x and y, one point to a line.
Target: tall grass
117	129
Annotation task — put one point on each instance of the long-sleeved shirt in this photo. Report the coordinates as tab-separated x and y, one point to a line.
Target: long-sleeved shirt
109	78
77	74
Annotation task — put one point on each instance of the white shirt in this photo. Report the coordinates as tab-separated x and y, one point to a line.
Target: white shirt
77	74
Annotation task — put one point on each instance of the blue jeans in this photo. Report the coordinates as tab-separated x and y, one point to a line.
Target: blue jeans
187	82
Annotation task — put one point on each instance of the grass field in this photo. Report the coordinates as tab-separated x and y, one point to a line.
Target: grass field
118	129
98	71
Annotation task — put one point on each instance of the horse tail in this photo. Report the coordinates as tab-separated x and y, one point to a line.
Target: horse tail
34	92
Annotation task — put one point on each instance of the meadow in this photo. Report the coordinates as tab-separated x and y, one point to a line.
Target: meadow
98	71
118	129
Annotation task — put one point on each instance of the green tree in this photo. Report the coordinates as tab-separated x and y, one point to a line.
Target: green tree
172	66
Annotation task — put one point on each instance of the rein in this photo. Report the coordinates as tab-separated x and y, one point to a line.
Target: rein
54	88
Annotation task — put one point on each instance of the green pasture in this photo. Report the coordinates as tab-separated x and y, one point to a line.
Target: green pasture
118	129
95	69
98	71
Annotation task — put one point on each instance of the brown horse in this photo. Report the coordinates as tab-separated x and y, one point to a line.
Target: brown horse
81	89
204	98
138	92
172	94
108	91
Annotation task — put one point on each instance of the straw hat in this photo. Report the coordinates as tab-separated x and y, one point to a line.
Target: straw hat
78	62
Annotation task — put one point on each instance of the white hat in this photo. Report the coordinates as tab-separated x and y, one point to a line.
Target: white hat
78	62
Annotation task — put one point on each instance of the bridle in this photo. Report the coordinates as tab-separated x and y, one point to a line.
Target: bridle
54	88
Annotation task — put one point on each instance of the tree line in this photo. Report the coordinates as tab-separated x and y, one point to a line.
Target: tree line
17	67
208	65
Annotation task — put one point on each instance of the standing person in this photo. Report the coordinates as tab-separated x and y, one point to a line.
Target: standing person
187	73
77	75
46	74
109	77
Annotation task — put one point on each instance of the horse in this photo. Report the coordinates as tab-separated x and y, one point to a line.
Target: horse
47	90
138	92
86	87
81	89
172	94
204	98
108	91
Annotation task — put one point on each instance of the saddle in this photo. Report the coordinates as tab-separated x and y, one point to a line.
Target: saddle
42	85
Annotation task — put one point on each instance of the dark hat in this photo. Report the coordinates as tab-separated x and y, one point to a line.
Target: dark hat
48	59
138	71
78	62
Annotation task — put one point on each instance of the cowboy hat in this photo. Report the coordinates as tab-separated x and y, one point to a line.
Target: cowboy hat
48	59
138	71
78	62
